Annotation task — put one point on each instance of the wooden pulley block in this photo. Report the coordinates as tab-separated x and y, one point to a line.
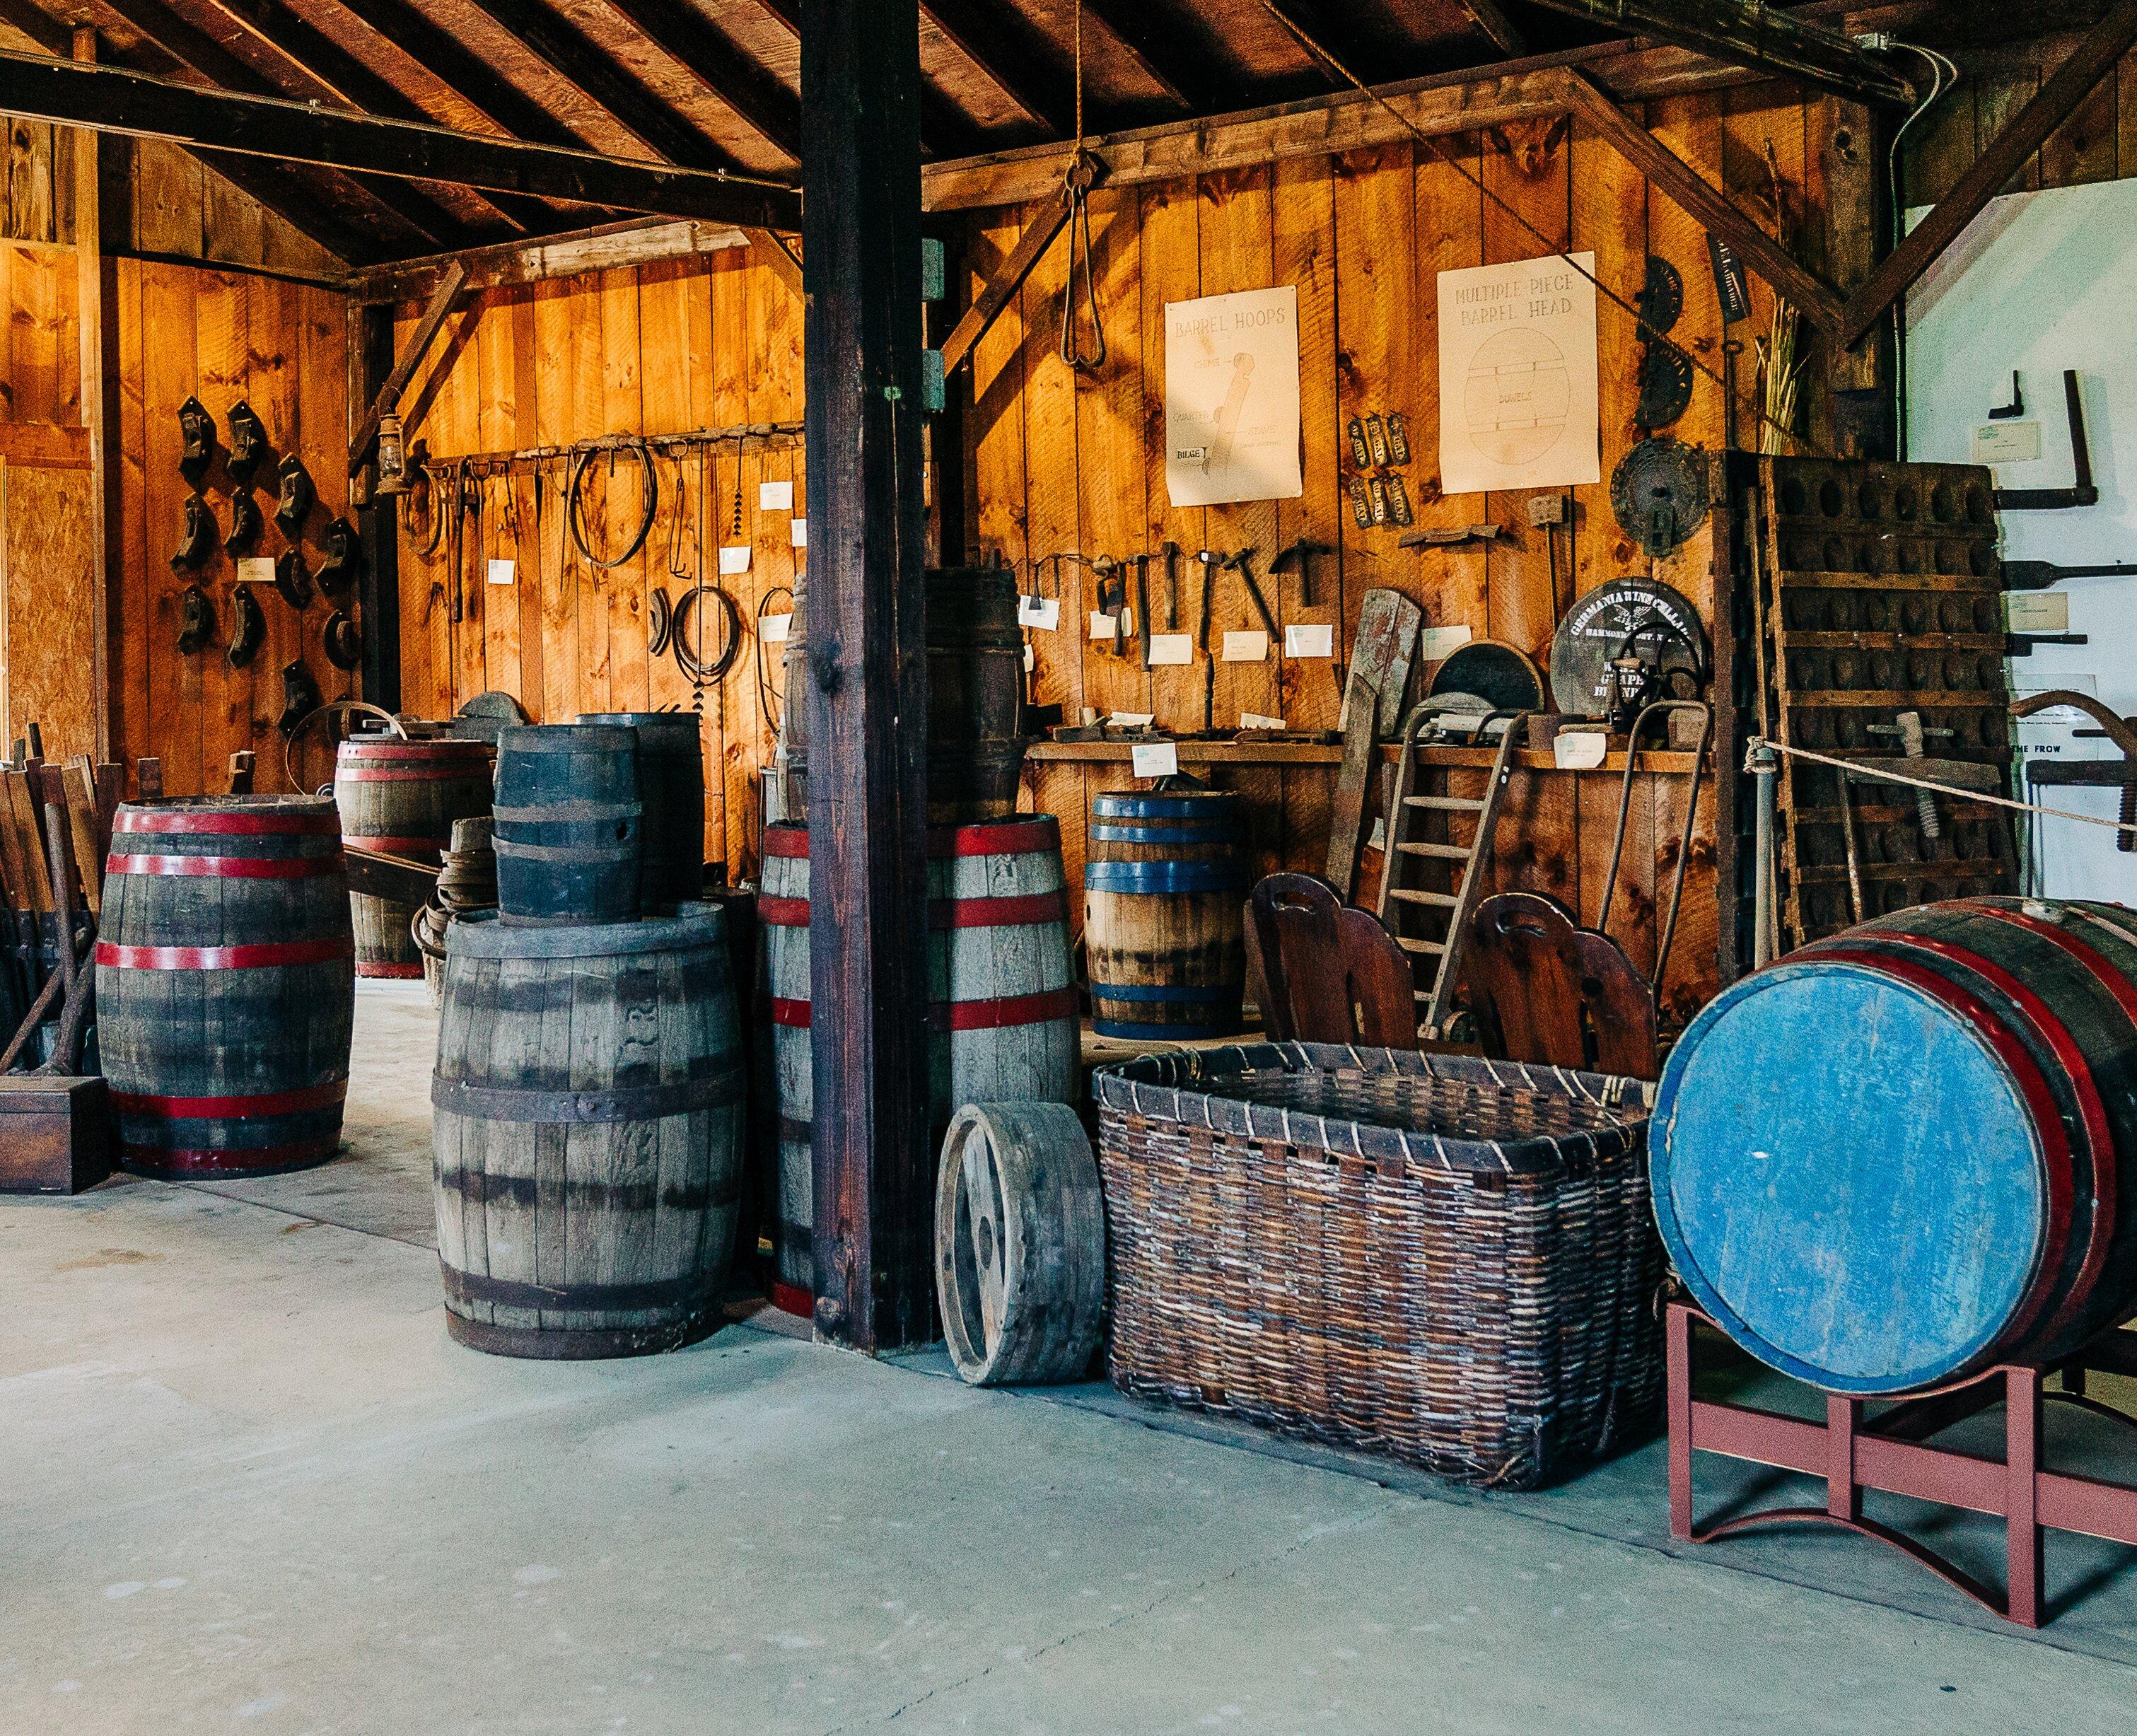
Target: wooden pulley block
1020	1244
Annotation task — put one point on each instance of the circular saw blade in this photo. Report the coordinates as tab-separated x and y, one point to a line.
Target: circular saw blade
1666	631
1665	384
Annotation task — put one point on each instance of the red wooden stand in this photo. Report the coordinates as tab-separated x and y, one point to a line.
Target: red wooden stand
1855	1451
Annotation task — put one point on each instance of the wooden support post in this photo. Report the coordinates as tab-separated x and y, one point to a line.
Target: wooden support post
93	302
1856	415
949	531
378	516
867	686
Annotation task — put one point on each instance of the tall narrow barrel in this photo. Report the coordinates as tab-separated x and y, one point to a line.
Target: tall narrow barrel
568	817
587	1109
976	745
671	790
402	797
1165	882
1908	1152
226	983
1001	1011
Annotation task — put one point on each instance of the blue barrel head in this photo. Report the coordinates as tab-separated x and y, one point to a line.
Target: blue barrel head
1847	1177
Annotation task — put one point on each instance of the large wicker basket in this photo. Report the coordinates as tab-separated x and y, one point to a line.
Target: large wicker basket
1445	1259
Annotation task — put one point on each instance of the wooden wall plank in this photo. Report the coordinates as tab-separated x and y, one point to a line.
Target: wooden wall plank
555	307
1168	269
623	408
320	357
169	375
752	694
131	620
222	336
498	429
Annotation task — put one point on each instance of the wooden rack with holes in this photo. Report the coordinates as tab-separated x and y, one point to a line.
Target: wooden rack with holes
1878	593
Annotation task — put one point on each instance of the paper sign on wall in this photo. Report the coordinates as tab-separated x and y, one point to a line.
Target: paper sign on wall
773	629
1250	647
1168	650
797	534
1154	759
775	496
1306	638
502	572
256	570
1105	626
1231	398
1042	612
1436	643
1517	391
1579	750
1255	720
734	558
2006	442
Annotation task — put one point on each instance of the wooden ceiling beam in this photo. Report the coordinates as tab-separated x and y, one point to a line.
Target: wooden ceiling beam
448	59
1016	58
638	242
2094	59
945	130
113	100
683	33
1774	42
575	57
195	50
1177	65
320	57
1489	16
281	190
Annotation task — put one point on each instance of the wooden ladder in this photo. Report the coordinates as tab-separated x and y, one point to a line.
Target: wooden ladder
1430	882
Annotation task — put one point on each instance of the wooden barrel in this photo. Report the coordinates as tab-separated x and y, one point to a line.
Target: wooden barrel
1164	883
671	788
587	1122
226	983
1020	1244
975	695
1001	1013
567	825
975	698
1902	1154
402	797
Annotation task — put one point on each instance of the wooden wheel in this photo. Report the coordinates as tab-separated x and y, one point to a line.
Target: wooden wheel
1020	1244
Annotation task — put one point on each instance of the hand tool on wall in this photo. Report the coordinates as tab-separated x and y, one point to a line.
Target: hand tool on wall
1299	557
247	522
196	620
1109	591
294	501
1447	535
292	579
2040	575
1908	729
1083	172
2122	731
300	696
248	442
341	641
1141	565
1210	561
1388	627
196	430
2082	492
1242	563
1171	551
343	565
251	628
196	537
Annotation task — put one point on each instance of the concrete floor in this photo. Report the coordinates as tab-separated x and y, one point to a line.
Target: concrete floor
248	1483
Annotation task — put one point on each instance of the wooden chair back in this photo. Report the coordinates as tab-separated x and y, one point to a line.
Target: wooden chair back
1545	989
1332	973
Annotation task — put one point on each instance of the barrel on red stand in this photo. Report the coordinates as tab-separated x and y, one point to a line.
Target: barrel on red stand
401	798
1002	1021
1908	1153
226	983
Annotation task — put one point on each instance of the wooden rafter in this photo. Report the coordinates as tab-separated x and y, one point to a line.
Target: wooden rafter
315	54
1023	65
601	249
1777	43
441	304
1700	200
683	34
2093	60
575	57
1174	62
112	100
195	50
1490	18
282	191
945	130
448	59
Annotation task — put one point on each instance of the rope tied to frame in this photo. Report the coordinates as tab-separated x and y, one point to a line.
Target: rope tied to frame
1958	793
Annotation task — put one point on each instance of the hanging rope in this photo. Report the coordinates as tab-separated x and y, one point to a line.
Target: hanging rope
1077	181
1446	155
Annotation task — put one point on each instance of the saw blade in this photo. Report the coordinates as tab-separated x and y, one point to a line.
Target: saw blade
1658	492
1665	384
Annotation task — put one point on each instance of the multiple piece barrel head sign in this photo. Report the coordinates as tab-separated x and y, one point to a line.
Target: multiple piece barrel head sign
1634	616
1518	389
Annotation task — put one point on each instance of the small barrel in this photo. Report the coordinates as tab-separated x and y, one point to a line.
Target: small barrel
1900	1155
226	983
671	788
975	695
1001	1013
568	820
975	698
1164	883
586	1115
401	798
